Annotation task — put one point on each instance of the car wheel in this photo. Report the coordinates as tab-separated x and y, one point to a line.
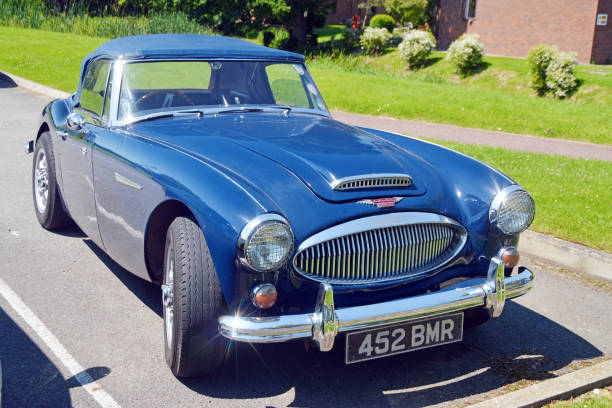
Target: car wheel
192	302
47	200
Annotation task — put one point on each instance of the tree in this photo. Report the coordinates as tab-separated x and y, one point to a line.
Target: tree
405	11
298	16
368	5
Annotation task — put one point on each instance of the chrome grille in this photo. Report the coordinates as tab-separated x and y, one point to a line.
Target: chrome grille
380	253
372	181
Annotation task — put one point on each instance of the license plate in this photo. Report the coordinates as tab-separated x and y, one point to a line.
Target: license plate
402	338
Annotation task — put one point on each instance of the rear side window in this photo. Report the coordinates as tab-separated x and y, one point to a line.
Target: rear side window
94	85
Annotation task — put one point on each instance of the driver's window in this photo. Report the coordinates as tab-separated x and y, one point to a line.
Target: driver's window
94	85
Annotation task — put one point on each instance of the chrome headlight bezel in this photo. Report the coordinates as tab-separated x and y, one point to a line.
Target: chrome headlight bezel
256	225
500	199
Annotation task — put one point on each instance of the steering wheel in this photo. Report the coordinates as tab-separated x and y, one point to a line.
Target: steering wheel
180	94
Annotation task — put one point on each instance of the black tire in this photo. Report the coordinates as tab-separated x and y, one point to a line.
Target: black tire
50	211
195	348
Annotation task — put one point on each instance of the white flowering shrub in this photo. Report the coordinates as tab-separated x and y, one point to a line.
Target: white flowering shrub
551	70
466	52
538	60
373	40
560	78
416	47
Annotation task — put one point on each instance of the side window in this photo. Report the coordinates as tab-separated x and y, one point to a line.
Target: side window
94	85
286	85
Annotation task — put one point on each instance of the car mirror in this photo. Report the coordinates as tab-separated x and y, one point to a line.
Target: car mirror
75	121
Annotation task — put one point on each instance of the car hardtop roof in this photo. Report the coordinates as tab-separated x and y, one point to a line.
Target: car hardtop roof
188	46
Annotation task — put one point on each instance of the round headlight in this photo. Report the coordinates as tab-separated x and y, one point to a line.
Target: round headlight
512	210
265	243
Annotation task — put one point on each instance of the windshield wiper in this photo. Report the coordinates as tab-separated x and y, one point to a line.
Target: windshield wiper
238	110
161	115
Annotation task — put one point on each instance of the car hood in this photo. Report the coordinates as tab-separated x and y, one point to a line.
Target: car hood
316	149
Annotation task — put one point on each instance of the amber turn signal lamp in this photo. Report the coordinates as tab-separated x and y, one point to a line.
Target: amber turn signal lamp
263	295
511	257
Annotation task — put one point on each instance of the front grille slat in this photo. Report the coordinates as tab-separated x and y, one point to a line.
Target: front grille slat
379	254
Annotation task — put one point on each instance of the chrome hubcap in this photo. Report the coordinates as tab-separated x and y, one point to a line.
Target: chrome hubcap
168	298
41	182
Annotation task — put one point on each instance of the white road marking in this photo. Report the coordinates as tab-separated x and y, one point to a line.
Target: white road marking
73	366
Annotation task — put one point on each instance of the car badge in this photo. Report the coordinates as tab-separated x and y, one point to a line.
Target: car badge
386	202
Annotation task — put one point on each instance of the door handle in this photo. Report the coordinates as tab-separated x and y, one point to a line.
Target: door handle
62	134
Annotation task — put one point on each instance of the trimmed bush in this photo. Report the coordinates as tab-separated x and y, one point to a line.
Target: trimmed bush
551	70
466	53
538	60
373	40
416	47
383	21
560	78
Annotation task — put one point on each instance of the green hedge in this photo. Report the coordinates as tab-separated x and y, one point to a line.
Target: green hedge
383	21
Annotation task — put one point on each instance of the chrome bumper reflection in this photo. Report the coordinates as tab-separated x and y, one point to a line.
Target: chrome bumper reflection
324	324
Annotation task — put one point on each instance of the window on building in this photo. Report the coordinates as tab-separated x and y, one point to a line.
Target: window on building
470	9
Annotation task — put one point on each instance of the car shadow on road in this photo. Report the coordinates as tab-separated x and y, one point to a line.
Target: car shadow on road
520	346
147	292
6	81
29	377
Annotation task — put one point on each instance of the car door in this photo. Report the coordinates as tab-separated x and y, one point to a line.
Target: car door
76	150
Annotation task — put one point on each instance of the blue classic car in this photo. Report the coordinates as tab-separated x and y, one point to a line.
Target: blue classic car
212	166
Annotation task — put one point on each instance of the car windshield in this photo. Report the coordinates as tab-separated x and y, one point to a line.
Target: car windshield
166	86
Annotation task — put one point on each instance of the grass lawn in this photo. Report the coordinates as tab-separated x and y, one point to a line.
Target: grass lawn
573	196
600	399
435	94
380	86
49	58
328	33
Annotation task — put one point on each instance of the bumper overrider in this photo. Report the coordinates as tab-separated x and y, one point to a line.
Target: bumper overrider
326	322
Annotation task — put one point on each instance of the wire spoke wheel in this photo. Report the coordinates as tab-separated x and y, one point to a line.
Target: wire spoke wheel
41	181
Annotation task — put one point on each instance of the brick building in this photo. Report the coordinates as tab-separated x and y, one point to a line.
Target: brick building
346	9
512	27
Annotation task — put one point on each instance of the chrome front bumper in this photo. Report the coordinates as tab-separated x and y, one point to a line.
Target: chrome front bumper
326	322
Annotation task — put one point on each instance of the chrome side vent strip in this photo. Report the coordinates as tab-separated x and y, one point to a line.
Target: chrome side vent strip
380	248
370	181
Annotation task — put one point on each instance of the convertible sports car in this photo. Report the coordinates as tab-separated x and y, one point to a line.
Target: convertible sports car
211	166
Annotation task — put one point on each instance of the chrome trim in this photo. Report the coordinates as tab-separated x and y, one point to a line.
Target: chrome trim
115	92
324	318
368	249
268	287
250	228
369	181
499	199
495	287
127	182
75	121
461	296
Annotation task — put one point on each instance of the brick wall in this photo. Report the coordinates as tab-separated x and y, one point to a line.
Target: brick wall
512	27
602	40
347	9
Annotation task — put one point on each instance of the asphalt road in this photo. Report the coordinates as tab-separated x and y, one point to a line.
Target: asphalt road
109	321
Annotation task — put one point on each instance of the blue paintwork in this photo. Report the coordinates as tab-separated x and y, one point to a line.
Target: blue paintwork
230	168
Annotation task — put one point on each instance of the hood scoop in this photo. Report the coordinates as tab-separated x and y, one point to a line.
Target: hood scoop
372	181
